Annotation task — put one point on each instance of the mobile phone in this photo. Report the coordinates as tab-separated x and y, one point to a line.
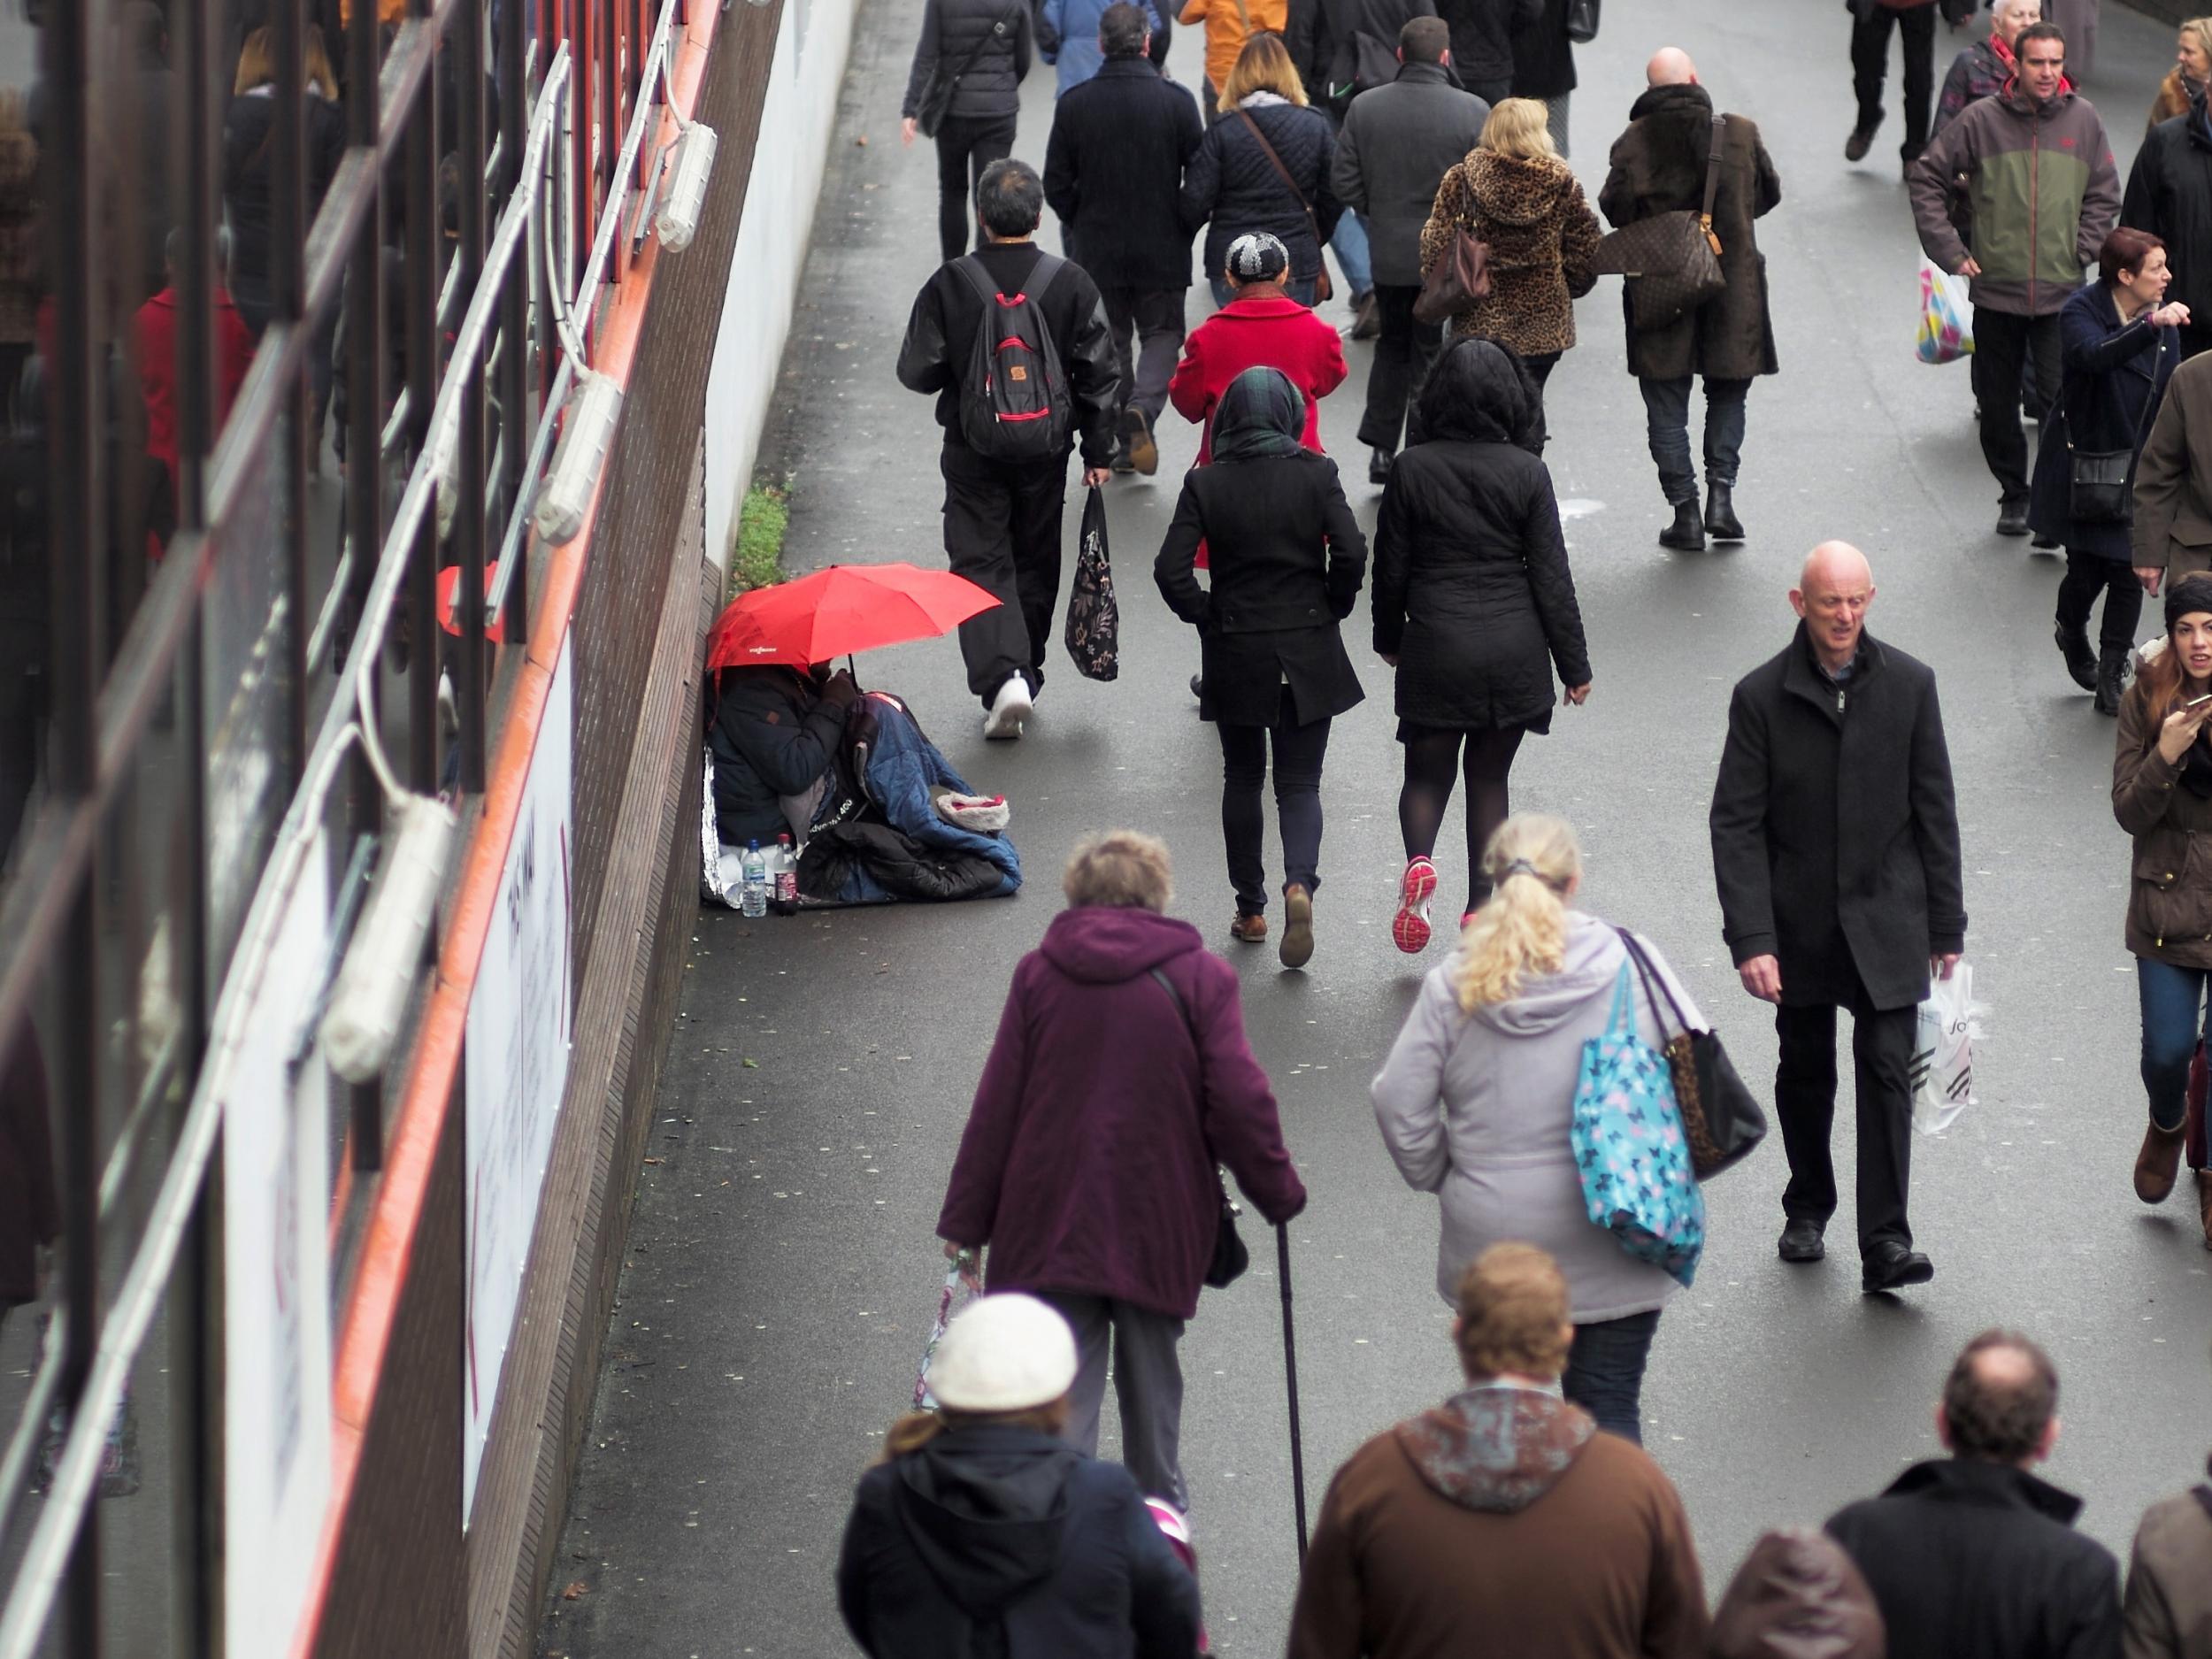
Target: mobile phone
2194	701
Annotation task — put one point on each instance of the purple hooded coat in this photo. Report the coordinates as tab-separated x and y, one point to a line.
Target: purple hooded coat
1085	1164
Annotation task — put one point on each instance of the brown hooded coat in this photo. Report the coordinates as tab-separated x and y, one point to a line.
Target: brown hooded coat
1532	215
1798	1596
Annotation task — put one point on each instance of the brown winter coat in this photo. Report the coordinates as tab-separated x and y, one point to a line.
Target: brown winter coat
1500	1524
2173	516
2168	1613
2169	894
1658	165
1541	234
1798	1596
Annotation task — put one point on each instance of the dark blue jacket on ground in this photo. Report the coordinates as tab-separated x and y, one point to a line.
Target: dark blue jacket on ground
999	1542
2116	374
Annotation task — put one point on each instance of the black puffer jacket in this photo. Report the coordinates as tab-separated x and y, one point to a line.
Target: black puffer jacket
1472	592
771	733
952	29
1230	187
249	177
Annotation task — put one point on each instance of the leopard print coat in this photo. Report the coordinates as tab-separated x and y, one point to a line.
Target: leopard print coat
1541	235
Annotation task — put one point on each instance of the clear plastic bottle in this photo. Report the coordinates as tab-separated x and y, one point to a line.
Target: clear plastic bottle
753	889
786	871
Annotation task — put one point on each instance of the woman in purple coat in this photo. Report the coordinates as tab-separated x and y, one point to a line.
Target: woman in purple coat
1087	1165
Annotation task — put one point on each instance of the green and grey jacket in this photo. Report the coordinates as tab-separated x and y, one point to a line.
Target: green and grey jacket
2043	192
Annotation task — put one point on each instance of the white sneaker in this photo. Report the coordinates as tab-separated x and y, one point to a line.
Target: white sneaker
1009	709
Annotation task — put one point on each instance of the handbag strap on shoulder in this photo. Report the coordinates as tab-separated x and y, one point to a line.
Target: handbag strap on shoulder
1655	984
1712	178
1312	224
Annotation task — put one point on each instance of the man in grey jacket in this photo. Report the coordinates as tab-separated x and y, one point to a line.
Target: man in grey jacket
1398	142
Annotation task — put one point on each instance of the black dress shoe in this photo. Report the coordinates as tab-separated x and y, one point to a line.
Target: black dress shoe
1198	685
1721	522
1862	140
1378	466
1687	533
1800	1242
1892	1266
2012	518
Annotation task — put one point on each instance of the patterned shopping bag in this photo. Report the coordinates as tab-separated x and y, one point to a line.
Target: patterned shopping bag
1094	632
963	1283
1628	1145
1947	326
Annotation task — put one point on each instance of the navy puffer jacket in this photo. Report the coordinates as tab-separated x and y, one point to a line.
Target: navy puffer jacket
1230	187
952	29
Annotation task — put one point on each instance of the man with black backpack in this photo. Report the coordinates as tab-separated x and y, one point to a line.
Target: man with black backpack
1012	399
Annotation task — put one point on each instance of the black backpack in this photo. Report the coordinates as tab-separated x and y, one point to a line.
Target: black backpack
1014	403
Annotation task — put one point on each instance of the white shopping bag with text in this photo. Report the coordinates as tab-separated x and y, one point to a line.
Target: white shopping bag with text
1943	1053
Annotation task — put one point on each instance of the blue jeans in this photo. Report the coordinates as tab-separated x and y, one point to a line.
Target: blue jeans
1667	423
1605	1372
1350	241
2173	1002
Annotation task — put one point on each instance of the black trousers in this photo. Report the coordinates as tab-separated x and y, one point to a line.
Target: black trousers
1155	318
966	144
1403	351
1299	752
2087	575
1870	63
1002	533
2003	342
1805	1100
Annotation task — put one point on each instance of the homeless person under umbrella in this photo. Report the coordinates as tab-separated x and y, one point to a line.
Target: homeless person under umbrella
1114	174
1658	166
2120	348
1119	1075
1275	671
1836	848
1002	518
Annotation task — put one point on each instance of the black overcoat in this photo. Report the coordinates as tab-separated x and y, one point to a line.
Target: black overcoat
1473	594
2169	195
1114	174
1286	558
1835	834
1658	165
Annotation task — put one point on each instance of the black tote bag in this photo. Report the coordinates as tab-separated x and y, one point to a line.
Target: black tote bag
1720	1119
1093	627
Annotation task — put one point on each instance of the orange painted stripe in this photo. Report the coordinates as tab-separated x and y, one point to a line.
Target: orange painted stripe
387	1248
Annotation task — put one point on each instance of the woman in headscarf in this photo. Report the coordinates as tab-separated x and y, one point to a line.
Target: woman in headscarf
1474	606
1275	670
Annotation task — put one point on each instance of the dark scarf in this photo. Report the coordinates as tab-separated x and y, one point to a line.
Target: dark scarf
1261	415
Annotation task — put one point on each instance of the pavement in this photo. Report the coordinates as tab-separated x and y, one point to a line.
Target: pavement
782	1274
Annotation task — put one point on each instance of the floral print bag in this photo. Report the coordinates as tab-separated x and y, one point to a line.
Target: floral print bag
1630	1148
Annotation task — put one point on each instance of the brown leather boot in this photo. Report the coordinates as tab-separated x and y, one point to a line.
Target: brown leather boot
2204	1204
2157	1164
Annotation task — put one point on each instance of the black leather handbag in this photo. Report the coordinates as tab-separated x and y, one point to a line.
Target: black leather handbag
1230	1257
1720	1119
1582	21
2100	483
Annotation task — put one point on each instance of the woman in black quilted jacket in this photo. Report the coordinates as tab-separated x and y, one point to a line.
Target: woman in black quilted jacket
1474	607
982	48
1231	187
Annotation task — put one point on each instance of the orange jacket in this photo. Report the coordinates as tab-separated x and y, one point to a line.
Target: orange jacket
1229	24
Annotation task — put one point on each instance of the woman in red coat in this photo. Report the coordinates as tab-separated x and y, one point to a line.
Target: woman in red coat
1262	327
1087	1163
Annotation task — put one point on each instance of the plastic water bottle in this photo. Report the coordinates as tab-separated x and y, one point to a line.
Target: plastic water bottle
786	871
753	889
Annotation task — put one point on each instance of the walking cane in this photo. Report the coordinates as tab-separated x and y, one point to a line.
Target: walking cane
1290	1371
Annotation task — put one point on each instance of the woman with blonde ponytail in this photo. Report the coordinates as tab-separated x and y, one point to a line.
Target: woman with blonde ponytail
1476	1101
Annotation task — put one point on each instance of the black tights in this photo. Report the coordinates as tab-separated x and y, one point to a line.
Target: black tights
1432	756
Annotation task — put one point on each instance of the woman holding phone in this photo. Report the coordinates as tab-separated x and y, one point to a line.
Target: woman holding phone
2161	794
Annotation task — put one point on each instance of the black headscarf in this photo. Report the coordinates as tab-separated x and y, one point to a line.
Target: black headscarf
1478	393
1260	415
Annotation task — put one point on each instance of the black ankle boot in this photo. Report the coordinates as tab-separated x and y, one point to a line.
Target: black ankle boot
2112	674
1721	522
1687	533
2081	662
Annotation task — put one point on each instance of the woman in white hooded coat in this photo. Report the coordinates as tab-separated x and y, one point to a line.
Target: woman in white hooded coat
1476	1100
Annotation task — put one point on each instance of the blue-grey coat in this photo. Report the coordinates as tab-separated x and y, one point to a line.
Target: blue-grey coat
2116	374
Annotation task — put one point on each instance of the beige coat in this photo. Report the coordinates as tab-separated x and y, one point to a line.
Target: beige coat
2169	1609
2173	516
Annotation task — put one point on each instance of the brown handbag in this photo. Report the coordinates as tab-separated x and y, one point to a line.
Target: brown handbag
1671	260
1460	278
1323	289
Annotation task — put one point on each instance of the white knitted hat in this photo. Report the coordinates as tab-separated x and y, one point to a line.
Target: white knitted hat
1004	1352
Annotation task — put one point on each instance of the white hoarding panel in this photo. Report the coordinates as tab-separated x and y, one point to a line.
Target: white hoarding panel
516	1062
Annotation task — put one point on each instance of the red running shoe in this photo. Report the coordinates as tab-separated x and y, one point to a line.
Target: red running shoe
1410	928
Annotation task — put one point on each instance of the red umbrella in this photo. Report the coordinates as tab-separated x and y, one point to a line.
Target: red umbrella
838	610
